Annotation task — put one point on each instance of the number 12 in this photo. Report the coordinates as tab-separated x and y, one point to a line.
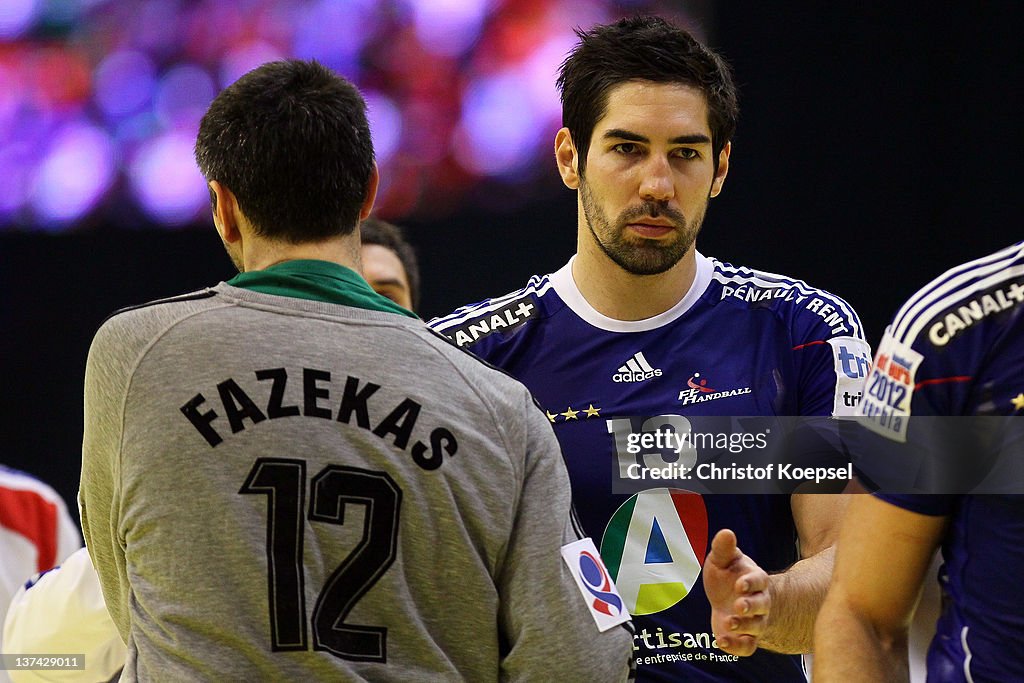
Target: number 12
283	482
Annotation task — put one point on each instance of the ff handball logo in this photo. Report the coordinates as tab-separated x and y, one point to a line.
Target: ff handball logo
596	580
595	584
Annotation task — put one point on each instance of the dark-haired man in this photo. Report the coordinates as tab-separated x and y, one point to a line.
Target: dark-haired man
64	608
639	335
389	263
289	477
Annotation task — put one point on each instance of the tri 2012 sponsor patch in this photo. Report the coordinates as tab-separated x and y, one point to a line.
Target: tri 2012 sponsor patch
890	389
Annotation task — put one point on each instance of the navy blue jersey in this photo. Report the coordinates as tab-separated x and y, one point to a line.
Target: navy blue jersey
740	343
956	348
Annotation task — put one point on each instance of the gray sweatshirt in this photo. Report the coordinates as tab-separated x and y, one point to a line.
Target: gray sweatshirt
276	488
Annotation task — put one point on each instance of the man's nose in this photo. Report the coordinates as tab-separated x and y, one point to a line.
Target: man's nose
657	182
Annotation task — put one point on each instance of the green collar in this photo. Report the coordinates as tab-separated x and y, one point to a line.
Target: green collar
319	281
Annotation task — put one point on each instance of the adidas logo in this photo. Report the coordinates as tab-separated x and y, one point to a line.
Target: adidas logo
636	369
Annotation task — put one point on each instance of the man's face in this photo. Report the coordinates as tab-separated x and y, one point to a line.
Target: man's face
649	175
384	271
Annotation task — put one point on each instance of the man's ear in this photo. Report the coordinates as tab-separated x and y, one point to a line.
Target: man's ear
225	212
722	170
371	193
567	159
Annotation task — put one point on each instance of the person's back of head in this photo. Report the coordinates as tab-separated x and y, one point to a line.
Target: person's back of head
374	231
291	140
642	49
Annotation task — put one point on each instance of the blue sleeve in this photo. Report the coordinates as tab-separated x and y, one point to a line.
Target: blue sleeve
832	356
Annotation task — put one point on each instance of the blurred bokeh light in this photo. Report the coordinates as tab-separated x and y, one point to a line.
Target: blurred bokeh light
100	100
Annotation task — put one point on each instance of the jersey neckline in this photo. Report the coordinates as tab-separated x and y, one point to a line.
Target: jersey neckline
317	280
565	286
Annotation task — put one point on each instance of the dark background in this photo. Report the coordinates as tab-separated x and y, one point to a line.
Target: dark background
876	148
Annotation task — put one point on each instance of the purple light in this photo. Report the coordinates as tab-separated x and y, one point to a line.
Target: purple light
155	26
449	27
166	181
244	59
14	181
183	95
10	87
124	82
28	134
74	175
385	125
17	16
30	130
334	32
136	128
498	130
539	73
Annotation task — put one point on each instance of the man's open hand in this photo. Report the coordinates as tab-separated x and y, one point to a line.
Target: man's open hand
738	592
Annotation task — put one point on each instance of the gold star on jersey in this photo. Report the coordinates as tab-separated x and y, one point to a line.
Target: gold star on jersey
572	413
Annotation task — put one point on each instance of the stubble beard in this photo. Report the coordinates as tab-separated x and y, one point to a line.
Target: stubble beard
639	255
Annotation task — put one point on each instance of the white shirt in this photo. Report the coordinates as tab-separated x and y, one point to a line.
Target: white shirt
36	532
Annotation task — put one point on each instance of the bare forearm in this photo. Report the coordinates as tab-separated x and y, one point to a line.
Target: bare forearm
849	648
797	595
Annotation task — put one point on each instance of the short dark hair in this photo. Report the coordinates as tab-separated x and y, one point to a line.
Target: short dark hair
389	236
646	49
291	140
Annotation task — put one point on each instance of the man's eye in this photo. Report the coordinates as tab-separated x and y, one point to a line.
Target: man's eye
626	148
687	153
